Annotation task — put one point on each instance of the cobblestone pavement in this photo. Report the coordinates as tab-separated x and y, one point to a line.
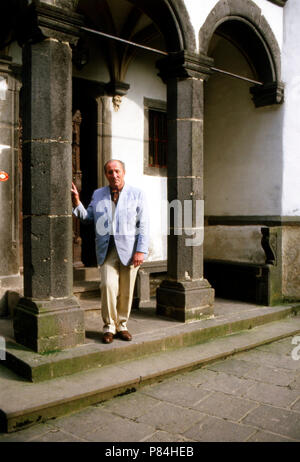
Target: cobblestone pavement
253	396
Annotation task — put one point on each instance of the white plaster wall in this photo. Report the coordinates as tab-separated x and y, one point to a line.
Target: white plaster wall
291	126
199	10
242	144
128	144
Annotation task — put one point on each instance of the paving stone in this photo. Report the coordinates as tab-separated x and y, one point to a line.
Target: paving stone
82	423
183	394
58	436
212	429
270	359
295	384
227	384
266	437
164	437
281	421
118	429
225	406
282	347
171	418
131	406
232	366
296	406
272	394
196	377
275	376
25	435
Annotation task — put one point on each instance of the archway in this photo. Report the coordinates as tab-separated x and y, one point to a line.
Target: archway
243	151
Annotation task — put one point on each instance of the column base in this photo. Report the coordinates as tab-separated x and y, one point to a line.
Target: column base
185	301
49	325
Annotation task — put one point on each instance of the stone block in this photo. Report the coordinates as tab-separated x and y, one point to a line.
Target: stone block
185	99
47	178
234	243
47	257
187	142
185	301
185	262
48	325
227	407
48	91
185	189
212	429
280	421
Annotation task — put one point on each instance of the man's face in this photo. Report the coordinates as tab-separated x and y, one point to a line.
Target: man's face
115	175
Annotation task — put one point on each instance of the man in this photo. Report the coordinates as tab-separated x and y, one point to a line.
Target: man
120	216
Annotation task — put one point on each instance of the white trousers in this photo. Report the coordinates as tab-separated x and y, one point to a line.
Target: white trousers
117	286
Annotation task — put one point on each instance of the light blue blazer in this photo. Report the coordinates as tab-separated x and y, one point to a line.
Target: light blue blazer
128	221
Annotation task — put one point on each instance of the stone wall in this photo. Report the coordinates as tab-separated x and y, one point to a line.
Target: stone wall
234	243
291	262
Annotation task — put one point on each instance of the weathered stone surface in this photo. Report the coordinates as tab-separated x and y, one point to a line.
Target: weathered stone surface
47	257
213	429
291	262
171	418
47	91
48	318
225	406
46	175
185	301
234	243
185	99
276	420
187	141
40	327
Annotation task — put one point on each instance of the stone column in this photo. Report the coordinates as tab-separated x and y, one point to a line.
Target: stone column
185	295
48	317
10	279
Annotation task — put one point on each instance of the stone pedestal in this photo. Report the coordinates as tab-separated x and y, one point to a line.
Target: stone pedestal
48	317
185	295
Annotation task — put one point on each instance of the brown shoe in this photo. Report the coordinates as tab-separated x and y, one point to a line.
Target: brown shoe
108	337
125	335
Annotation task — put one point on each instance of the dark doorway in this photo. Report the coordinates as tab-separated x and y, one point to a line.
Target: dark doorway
87	105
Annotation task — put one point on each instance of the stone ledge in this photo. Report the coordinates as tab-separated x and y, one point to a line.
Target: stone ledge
40	367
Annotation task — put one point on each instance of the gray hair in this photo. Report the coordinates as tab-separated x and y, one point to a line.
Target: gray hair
114	160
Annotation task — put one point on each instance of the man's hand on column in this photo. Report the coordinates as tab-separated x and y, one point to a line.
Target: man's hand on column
75	195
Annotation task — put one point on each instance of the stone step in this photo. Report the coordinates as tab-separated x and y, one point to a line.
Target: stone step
86	289
150	335
23	404
86	274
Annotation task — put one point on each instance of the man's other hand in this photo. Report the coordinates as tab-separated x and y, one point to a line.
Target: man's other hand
138	259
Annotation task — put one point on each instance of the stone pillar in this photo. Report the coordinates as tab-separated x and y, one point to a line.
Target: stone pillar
10	279
185	295
48	317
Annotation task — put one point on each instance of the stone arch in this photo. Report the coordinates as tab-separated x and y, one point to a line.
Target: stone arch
170	16
248	28
173	20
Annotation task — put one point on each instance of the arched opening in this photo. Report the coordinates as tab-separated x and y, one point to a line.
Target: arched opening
113	69
242	161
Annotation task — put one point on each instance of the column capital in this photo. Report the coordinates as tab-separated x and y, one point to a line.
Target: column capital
46	21
185	64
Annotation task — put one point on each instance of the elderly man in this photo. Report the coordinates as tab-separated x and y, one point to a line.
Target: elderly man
120	217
